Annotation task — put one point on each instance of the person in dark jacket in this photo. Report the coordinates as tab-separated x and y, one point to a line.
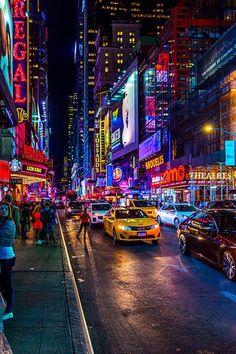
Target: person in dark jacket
7	257
48	219
25	221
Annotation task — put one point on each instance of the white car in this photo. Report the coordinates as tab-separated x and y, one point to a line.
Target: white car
97	211
175	213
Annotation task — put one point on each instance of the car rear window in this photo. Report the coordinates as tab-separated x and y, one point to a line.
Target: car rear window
76	205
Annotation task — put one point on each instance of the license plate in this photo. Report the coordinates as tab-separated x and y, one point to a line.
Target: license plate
142	234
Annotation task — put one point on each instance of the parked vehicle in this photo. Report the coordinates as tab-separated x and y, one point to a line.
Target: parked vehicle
221	204
212	235
175	213
145	205
74	209
131	224
97	211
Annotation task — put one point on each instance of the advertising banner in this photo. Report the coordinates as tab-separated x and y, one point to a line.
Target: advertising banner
4	171
6	48
218	55
230	153
124	115
150	146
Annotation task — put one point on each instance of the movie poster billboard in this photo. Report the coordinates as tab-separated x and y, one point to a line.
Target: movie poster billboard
124	116
6	47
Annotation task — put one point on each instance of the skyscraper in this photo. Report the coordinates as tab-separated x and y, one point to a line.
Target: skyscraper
94	15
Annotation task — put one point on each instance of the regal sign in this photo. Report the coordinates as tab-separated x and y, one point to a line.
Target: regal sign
31	154
21	62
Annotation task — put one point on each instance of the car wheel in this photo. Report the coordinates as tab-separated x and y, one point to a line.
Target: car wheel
159	220
229	266
115	239
154	242
176	223
184	249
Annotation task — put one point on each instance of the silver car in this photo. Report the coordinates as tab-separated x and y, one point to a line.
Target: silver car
175	213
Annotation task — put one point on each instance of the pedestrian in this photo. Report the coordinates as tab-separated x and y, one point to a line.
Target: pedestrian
25	221
7	257
84	222
48	224
37	223
14	211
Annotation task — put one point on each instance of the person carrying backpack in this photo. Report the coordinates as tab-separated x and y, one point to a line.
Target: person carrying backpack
47	217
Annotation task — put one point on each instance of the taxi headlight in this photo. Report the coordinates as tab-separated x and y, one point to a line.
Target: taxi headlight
121	227
155	226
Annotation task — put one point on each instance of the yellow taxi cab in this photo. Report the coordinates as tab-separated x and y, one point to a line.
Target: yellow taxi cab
145	205
130	224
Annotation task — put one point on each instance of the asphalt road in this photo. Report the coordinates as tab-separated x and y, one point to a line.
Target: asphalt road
140	298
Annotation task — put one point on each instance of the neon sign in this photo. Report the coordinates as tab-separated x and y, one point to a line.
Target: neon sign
20	56
154	162
172	177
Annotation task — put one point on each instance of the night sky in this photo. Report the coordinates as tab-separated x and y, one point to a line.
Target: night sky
61	20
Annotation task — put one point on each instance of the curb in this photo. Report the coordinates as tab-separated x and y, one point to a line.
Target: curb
88	343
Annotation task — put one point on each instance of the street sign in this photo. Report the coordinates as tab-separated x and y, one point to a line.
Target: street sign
230	154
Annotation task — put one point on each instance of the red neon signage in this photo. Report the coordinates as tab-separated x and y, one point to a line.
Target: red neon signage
172	177
4	171
20	50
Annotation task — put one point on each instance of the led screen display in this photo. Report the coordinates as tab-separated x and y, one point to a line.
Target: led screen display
149	100
150	146
6	47
124	116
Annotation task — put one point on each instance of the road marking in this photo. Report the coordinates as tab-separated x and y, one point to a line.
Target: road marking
81	311
229	295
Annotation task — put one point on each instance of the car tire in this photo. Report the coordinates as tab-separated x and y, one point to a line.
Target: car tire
159	219
229	265
184	249
154	242
115	240
176	223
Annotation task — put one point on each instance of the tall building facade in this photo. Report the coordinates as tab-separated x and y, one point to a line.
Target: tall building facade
93	16
72	115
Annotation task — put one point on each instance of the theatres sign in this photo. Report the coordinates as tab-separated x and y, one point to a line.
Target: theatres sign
20	56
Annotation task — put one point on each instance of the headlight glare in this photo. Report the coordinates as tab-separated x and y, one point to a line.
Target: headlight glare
124	227
155	226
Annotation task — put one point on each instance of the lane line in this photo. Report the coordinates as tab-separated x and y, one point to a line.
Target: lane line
229	295
78	300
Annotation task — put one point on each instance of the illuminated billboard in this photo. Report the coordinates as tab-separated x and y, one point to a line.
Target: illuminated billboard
149	100
21	60
150	146
124	116
6	47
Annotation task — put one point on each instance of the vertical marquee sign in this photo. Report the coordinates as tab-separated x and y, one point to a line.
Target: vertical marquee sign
21	59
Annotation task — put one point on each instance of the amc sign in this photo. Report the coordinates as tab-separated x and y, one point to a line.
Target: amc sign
172	177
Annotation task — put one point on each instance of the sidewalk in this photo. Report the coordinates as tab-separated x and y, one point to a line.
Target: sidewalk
46	318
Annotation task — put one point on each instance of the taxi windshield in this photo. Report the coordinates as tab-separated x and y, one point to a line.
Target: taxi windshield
130	214
76	205
142	203
101	207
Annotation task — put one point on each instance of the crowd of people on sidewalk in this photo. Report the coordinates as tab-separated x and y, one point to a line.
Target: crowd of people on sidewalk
15	222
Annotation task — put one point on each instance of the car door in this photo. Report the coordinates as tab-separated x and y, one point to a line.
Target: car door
163	213
110	221
210	243
170	214
192	231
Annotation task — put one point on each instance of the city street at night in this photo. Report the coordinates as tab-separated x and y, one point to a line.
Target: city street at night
144	298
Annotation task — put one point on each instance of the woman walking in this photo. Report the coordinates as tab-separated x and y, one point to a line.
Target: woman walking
85	219
7	257
37	223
